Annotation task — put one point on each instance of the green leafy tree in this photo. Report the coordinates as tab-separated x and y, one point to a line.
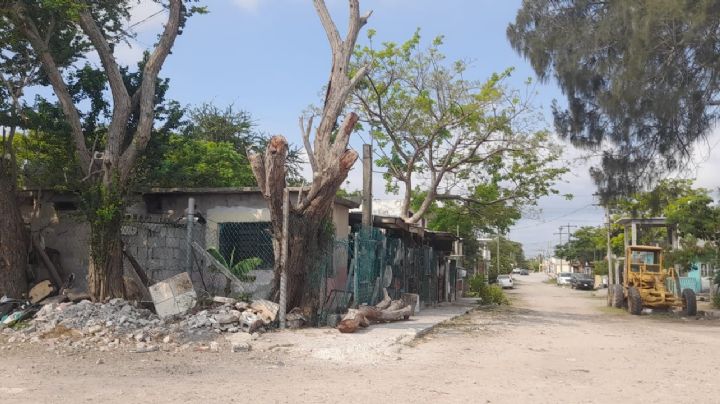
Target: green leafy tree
511	256
697	218
48	28
586	245
20	69
640	77
191	162
212	123
441	136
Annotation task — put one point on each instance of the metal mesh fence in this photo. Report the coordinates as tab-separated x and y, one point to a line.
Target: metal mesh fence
243	249
237	258
379	261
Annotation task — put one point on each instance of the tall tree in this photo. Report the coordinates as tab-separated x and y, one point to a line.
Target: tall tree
100	26
445	137
641	79
329	157
209	122
19	69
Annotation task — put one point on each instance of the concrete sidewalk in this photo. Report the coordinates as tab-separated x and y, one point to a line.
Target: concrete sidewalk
379	342
424	321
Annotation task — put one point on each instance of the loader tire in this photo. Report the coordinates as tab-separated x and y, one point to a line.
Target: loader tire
635	304
689	302
618	299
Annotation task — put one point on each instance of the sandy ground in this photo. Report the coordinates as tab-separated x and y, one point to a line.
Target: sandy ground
553	345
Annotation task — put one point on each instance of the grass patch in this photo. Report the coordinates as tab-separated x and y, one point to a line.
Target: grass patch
550	281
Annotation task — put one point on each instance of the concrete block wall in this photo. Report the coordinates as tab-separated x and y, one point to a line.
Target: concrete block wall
159	248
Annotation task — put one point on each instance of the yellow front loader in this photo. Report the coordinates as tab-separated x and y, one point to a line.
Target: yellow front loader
643	284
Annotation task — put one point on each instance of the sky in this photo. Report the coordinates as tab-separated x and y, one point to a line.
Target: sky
271	58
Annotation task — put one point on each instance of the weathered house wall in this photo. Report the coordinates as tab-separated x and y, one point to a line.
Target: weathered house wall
155	233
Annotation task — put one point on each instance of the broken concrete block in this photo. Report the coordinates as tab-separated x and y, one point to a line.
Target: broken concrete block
266	309
240	347
225	318
224	300
173	296
249	322
41	291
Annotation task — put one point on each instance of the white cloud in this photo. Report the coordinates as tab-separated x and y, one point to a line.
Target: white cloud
247	5
129	55
146	16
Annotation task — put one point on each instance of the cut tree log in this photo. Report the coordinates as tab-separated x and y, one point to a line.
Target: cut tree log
363	315
385	302
353	320
395	305
395	315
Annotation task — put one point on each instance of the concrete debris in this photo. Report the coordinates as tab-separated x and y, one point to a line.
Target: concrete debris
224	300
266	309
119	325
240	347
295	318
173	296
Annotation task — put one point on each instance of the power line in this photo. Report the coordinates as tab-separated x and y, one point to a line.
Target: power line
553	219
146	18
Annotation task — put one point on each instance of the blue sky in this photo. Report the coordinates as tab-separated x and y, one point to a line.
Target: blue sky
271	58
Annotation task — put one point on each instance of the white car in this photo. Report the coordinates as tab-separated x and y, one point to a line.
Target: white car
563	278
505	281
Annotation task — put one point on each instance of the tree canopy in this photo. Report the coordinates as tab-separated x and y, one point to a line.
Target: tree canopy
442	136
640	77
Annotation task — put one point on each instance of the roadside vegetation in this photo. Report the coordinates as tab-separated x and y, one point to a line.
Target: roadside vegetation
487	294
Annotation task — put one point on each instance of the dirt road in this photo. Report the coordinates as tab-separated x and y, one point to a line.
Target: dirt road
553	345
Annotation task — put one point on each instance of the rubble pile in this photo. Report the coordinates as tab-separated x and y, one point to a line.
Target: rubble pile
119	324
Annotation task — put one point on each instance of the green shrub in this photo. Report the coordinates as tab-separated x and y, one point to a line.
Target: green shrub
488	294
477	283
495	295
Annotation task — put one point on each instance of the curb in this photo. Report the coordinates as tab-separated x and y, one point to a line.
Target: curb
425	331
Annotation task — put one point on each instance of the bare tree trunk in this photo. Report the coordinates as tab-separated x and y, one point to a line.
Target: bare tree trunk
105	273
13	238
105	212
330	158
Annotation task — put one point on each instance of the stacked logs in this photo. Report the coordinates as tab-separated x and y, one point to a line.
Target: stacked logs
386	310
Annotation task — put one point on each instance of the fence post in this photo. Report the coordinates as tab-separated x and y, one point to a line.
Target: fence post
188	245
356	281
284	244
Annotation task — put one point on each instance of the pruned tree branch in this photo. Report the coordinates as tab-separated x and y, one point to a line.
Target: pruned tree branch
121	99
306	141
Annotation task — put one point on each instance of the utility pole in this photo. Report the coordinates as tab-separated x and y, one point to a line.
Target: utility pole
609	247
367	187
560	234
498	251
569	234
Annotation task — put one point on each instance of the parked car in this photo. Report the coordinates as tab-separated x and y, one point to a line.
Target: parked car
563	278
524	272
505	281
582	281
516	271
